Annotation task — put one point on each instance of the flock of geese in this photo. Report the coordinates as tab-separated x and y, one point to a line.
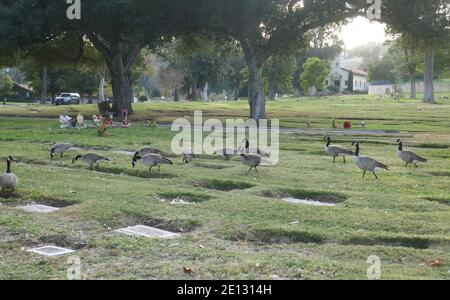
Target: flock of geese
368	164
251	157
152	157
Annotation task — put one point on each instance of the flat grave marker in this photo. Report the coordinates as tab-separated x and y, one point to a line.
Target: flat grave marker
38	208
308	202
51	251
149	232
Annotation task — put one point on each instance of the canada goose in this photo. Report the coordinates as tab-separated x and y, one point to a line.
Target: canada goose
250	150
188	156
407	156
251	160
151	160
366	163
146	151
60	148
335	151
91	159
227	153
8	181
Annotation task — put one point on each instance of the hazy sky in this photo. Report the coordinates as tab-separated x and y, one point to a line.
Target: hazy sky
361	31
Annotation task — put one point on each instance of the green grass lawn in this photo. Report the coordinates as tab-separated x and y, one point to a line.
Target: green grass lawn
237	227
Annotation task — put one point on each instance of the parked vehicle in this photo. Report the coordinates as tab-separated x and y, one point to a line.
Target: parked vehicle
67	99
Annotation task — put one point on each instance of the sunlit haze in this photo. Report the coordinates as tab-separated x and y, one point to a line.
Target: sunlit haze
361	31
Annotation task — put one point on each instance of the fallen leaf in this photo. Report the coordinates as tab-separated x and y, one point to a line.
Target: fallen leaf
188	271
435	262
431	262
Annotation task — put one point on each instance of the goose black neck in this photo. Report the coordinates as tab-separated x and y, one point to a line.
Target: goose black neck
8	166
328	142
400	146
357	150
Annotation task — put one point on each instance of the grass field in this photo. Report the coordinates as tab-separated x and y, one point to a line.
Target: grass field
237	227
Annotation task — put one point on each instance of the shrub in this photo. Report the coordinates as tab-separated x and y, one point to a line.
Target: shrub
333	89
143	99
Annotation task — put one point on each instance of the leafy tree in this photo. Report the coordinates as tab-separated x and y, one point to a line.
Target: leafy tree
121	29
170	81
233	77
383	69
322	42
146	74
428	22
442	61
408	58
204	61
266	27
6	85
81	80
118	29
371	53
52	55
278	72
314	74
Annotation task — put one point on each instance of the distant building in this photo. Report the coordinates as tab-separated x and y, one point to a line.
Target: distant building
21	93
340	75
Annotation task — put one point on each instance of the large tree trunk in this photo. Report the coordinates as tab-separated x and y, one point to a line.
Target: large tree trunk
428	96
256	97
237	91
44	88
122	92
205	92
272	94
121	83
176	97
412	68
412	79
195	93
119	63
101	90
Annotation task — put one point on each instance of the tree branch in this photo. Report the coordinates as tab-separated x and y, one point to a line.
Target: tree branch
131	56
100	46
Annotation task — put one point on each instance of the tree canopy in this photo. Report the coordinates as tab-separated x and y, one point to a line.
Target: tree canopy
427	23
314	74
118	29
267	27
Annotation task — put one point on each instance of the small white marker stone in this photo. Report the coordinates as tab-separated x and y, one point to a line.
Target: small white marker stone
307	202
51	251
38	208
149	232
